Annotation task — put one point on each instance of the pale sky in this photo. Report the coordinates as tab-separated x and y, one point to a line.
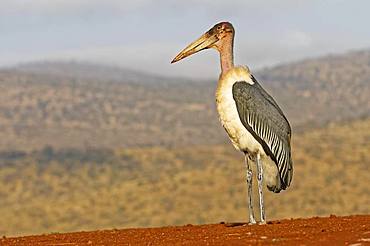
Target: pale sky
146	34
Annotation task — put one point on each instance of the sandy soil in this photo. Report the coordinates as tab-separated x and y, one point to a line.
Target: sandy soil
349	230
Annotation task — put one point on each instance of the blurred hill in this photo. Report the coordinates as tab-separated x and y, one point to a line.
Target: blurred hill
76	105
90	71
327	89
72	190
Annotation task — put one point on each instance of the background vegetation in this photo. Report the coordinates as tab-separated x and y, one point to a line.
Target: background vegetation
94	189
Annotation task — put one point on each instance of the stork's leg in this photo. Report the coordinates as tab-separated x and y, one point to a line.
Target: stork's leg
252	220
260	190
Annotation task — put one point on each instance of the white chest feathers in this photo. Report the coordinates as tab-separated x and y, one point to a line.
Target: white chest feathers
228	113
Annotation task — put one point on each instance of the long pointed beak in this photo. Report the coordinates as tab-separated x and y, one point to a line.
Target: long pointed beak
204	42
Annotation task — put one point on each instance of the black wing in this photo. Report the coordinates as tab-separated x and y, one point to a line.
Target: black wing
263	118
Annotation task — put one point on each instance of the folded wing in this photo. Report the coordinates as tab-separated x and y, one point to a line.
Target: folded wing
263	118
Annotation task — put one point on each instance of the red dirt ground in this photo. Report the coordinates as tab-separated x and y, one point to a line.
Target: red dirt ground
349	230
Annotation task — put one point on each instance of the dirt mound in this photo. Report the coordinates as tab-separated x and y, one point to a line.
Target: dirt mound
332	230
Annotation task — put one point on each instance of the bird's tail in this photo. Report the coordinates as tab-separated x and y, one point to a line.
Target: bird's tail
282	183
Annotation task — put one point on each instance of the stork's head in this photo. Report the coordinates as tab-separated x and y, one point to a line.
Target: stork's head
215	38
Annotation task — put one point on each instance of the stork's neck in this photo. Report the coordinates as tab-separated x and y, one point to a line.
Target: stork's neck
226	54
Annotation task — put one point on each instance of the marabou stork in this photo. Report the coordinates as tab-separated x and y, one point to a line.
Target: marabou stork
251	117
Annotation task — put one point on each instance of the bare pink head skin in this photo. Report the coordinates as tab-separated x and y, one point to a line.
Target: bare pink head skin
221	38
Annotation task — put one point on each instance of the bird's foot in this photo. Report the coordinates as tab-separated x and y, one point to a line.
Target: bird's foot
252	221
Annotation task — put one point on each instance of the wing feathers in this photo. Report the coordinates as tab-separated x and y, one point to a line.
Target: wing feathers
263	118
